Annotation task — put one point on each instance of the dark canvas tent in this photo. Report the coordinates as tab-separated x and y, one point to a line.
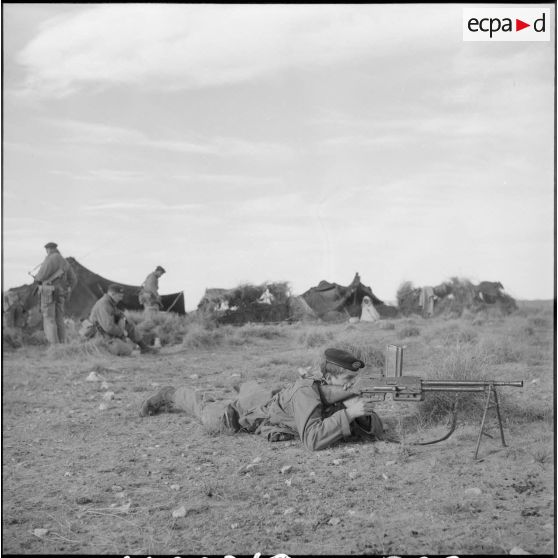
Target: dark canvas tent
330	300
91	287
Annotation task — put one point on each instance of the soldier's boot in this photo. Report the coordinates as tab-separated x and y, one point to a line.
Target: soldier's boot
163	400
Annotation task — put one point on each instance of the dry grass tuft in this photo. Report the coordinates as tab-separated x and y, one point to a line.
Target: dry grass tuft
315	337
76	349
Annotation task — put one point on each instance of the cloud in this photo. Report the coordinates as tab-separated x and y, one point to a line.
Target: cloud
80	132
145	204
230	179
104	175
172	46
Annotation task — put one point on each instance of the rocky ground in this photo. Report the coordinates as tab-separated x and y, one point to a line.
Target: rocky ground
84	474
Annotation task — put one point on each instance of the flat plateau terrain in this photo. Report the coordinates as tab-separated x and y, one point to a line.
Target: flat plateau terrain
83	474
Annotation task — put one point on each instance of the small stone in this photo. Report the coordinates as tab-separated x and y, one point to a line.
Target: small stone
40	532
93	377
285	469
124	508
266	496
194	376
518	550
334	521
175	487
312	474
108	396
116	488
234	525
67	474
473	491
179	512
103	407
289	482
337	461
82	500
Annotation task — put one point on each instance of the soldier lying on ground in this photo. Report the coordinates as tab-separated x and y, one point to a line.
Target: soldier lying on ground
110	324
298	410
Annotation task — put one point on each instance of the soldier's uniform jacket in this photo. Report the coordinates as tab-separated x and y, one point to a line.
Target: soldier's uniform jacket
296	410
106	314
151	284
51	265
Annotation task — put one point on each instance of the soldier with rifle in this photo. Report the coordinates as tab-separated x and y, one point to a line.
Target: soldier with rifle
297	410
322	411
55	281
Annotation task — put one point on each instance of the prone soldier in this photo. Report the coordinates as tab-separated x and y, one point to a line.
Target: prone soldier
297	410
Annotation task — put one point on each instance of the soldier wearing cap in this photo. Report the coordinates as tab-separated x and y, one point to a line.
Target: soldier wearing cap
298	410
149	293
110	324
56	279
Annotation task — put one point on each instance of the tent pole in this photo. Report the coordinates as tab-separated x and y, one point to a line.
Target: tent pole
174	302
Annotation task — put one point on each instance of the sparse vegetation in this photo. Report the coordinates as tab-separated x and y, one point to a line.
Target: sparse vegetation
74	461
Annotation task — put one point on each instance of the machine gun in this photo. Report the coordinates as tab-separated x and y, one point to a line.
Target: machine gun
413	388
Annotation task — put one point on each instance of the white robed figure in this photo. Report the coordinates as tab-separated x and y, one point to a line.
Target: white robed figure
369	313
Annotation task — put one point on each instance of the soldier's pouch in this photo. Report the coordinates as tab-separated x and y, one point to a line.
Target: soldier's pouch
47	294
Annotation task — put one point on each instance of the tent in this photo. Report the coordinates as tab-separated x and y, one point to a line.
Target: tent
91	287
331	301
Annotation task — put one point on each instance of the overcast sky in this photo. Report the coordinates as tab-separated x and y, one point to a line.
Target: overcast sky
254	143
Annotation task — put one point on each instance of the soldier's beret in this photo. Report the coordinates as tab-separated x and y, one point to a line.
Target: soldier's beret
343	359
159	268
51	245
116	288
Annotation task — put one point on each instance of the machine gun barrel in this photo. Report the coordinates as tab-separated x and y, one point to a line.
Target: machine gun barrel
465	385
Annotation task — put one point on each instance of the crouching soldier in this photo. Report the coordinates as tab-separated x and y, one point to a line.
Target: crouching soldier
110	323
300	410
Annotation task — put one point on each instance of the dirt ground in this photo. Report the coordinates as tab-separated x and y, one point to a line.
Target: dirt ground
82	478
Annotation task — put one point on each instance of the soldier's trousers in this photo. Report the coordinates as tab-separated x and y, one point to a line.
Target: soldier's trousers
122	347
53	318
216	416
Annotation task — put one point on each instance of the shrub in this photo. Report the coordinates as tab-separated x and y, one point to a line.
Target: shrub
198	337
249	331
315	338
408	298
502	350
460	362
408	331
60	351
167	326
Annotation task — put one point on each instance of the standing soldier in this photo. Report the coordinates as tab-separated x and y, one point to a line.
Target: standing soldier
149	294
56	279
